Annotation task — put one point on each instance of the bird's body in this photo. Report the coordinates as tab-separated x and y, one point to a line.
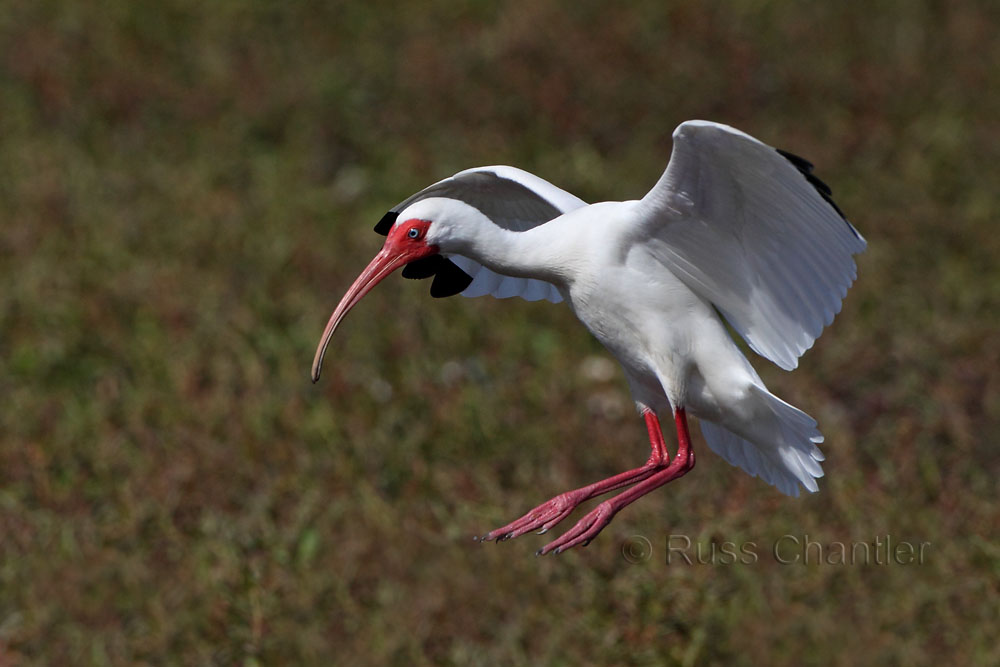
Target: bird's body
734	230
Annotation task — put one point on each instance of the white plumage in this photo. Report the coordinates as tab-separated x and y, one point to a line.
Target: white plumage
733	229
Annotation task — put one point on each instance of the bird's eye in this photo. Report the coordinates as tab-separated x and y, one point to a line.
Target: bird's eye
414	233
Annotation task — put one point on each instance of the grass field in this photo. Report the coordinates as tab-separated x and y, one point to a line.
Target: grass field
186	190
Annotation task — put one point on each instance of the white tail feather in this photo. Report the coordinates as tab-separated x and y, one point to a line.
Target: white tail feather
783	451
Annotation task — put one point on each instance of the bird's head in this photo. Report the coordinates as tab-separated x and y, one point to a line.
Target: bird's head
406	241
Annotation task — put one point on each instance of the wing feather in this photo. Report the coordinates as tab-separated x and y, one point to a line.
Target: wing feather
753	231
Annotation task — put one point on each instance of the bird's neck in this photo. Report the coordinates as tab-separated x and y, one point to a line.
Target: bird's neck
533	253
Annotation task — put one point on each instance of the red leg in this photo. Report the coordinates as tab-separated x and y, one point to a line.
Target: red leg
658	454
550	513
594	522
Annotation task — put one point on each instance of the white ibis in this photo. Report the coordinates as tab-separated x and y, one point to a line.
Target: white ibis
734	231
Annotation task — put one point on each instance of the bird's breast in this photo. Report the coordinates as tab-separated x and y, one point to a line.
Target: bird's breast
640	316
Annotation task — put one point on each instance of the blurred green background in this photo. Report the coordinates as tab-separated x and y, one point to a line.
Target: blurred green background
186	190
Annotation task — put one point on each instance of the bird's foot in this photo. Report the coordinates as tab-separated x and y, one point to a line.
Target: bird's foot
584	531
551	512
594	521
542	518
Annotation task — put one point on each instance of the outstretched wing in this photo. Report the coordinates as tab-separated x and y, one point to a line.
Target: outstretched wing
753	231
512	199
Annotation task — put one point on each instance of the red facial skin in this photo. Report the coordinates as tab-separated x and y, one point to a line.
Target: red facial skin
404	244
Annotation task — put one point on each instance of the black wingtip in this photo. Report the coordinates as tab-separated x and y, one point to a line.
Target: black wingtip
425	267
450	280
802	164
805	167
385	224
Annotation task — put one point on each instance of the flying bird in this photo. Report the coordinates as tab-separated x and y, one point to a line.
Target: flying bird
734	231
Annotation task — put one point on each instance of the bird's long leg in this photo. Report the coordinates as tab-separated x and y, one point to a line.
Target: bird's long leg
556	509
594	522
